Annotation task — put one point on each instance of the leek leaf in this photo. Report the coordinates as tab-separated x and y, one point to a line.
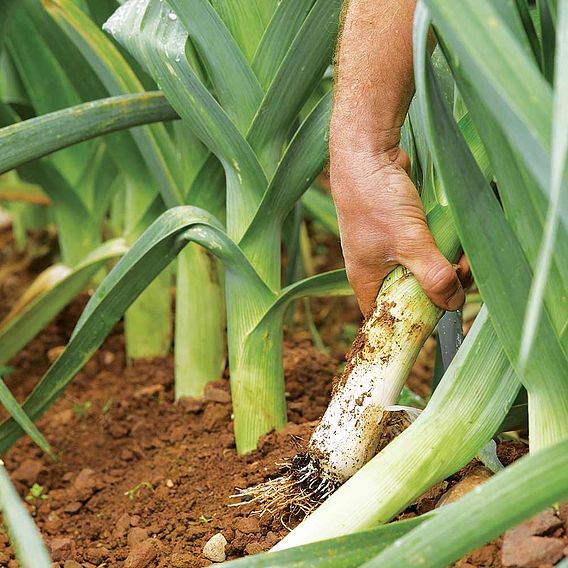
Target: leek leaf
517	95
42	135
234	82
24	535
480	224
113	70
343	552
48	295
151	254
484	513
278	37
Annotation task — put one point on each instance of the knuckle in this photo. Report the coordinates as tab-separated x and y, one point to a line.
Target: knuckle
441	279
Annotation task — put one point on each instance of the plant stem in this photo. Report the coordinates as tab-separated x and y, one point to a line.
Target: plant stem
200	322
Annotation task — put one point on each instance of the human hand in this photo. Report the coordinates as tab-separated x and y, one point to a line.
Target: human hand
382	224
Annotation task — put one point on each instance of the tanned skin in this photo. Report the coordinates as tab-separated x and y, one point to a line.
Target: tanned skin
381	220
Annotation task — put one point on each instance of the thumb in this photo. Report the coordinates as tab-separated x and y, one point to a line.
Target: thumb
438	278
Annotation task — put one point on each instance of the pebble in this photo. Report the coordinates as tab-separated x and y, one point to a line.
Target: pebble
73	507
473	479
72	564
137	535
214	548
542	524
28	471
61	549
142	554
531	552
248	525
215	394
84	481
121	526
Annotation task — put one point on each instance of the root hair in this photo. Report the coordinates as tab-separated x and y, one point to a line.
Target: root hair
299	489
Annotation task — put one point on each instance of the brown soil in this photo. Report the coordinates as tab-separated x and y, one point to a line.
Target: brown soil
142	481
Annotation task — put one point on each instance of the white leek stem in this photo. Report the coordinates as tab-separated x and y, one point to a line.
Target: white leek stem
382	356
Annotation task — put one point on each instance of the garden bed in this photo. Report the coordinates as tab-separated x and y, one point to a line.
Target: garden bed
142	481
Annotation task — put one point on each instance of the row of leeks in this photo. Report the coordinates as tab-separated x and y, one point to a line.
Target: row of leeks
250	128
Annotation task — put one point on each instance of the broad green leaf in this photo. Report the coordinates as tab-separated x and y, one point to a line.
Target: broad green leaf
304	159
332	283
24	535
48	295
246	20
511	85
483	514
480	223
234	82
278	37
113	70
525	208
301	70
40	136
47	85
151	254
559	172
343	552
147	31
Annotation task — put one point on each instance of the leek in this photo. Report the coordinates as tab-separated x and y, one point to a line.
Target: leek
466	409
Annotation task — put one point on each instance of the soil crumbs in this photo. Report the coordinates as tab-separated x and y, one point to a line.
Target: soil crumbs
143	482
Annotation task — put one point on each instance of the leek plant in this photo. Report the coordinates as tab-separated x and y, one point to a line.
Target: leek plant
514	135
80	182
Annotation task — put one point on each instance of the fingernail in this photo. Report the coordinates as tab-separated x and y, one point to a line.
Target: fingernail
456	300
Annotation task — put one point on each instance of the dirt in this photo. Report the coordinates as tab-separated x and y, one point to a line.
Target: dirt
143	481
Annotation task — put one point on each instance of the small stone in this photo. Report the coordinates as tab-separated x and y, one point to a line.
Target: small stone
253	548
215	394
532	551
61	549
121	526
108	357
84	481
96	554
150	390
71	564
142	554
248	525
474	478
73	507
28	471
214	548
54	352
542	524
136	535
169	483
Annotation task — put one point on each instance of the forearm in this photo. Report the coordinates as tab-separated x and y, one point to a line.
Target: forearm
374	82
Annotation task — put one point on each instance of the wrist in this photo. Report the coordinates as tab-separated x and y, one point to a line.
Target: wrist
361	135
